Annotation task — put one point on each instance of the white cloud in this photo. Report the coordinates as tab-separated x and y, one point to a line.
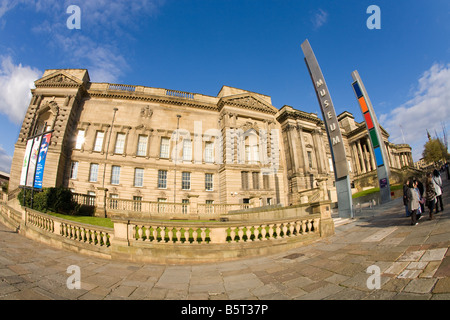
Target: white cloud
428	109
5	161
319	18
15	84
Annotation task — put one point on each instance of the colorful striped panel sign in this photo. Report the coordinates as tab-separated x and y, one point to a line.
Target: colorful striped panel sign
363	104
378	156
357	89
374	138
369	121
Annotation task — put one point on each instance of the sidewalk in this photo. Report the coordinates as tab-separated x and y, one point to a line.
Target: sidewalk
414	262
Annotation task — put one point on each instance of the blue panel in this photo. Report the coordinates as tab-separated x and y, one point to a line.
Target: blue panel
357	89
378	156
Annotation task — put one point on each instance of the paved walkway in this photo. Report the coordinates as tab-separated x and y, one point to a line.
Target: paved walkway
414	262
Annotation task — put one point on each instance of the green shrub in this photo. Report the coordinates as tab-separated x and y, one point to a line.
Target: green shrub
58	200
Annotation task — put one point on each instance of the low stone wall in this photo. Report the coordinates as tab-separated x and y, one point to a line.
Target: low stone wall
178	242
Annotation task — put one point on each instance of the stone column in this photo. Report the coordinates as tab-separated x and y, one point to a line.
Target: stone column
363	166
356	158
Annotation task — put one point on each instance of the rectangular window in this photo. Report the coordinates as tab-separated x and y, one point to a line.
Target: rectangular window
120	143
74	170
91	198
185	206
138	177
266	182
99	141
162	205
186	180
209	206
164	150
162	179
93	172
310	159
113	203
142	146
244	180
80	139
115	175
187	150
208	181
209	152
255	178
137	203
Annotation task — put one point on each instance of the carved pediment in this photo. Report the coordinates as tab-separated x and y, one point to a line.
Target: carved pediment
248	101
59	79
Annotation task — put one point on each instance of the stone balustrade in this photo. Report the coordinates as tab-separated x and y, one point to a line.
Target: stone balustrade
176	241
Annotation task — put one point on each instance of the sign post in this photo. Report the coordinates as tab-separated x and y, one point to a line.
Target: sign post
333	131
376	138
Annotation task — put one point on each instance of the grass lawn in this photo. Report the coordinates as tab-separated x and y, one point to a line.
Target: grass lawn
374	190
96	221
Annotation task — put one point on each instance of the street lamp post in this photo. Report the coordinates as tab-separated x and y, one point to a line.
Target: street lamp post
106	158
176	158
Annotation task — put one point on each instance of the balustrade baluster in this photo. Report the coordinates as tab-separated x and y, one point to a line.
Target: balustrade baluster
139	231
316	224
304	226
195	235
256	233
291	229
285	229
155	233
98	238
249	234
278	230
178	234
271	230
263	232
203	235
170	235
232	234
309	226
241	234
163	234
105	239
147	233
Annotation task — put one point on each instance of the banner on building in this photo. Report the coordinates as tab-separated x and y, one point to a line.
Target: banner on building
33	161
39	176
26	160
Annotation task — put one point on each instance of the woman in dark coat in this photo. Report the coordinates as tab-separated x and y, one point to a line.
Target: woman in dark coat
430	194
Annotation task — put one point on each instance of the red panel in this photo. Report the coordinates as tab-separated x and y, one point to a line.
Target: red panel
368	120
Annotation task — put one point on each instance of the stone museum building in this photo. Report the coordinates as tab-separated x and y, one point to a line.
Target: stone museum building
152	144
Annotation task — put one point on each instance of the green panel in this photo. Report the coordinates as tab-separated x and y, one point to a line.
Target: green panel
374	138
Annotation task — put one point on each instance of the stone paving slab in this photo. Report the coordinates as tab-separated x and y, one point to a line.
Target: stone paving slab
414	263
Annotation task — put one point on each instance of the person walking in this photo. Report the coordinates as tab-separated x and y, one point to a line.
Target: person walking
405	197
438	186
420	209
413	202
430	194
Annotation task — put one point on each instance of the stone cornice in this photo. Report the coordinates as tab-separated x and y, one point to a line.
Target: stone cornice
152	98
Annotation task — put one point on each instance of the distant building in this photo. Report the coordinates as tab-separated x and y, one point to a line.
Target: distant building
232	148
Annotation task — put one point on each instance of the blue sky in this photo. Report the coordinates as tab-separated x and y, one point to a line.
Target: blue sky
201	45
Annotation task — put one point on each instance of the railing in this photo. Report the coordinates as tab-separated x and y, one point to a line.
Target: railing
219	233
180	94
84	199
122	87
218	209
150	207
88	234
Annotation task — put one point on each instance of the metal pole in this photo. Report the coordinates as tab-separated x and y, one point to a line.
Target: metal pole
107	147
176	158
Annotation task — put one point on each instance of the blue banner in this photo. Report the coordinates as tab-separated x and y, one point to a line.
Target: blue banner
41	161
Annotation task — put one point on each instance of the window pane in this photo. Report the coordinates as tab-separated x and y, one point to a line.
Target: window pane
142	146
120	143
99	141
255	177
115	175
93	173
209	152
138	177
80	139
164	150
208	181
162	179
187	150
244	180
74	170
185	180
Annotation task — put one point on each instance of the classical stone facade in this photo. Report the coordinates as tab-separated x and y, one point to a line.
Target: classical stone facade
162	145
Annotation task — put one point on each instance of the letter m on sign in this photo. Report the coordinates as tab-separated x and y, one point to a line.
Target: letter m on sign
336	140
319	83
